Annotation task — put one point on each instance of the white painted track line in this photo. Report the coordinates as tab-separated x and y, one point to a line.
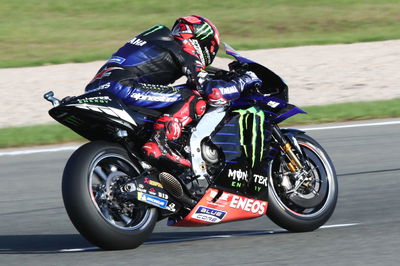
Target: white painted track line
327	127
38	150
205	237
388	123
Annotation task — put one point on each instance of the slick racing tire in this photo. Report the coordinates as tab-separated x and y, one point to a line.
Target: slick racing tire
313	203
92	179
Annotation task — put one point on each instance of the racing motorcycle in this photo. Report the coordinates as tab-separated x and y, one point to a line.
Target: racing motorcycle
243	166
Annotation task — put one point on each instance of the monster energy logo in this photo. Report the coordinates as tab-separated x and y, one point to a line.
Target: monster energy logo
71	119
205	30
244	123
153	29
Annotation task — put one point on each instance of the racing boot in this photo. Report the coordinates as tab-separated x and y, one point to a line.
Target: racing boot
166	128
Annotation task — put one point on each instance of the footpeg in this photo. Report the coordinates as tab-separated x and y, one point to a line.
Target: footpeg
174	187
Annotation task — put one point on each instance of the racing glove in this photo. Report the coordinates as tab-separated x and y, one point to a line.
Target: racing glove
250	79
221	92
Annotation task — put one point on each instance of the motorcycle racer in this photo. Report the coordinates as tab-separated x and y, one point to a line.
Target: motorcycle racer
139	72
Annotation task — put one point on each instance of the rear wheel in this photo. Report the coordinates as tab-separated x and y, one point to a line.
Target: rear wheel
93	178
305	200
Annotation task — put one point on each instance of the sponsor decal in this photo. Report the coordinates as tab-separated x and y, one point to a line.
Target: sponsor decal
236	184
152	182
214	193
71	119
199	53
141	190
155	87
206	54
273	104
137	42
162	195
171	207
153	200
104	86
97	99
138	96
222	201
229	90
257	116
248	205
153	29
152	191
209	215
238	176
261	180
116	59
205	31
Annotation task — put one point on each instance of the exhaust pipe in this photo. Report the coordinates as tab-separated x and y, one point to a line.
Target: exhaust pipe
174	187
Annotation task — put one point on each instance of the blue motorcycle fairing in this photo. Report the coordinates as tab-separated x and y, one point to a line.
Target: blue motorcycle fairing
243	141
251	99
291	112
274	105
232	52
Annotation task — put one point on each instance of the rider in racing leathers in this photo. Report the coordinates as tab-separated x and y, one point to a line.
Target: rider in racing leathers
140	70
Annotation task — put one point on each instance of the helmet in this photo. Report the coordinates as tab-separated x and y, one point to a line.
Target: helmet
199	37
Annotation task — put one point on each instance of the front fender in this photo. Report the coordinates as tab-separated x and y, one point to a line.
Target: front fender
292	131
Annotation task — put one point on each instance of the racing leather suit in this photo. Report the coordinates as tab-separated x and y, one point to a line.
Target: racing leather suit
139	72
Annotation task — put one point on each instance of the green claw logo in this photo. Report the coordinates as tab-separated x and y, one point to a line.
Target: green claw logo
244	121
153	29
205	30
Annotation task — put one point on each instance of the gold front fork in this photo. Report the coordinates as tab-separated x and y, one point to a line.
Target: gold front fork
294	164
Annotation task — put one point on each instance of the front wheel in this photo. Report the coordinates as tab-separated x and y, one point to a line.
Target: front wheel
93	178
304	200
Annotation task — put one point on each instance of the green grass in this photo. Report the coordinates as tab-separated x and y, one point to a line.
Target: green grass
347	112
36	135
38	32
50	134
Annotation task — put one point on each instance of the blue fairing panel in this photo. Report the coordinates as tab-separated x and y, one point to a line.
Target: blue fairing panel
294	111
274	105
232	52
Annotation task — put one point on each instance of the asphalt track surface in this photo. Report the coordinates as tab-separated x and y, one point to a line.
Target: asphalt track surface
364	229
